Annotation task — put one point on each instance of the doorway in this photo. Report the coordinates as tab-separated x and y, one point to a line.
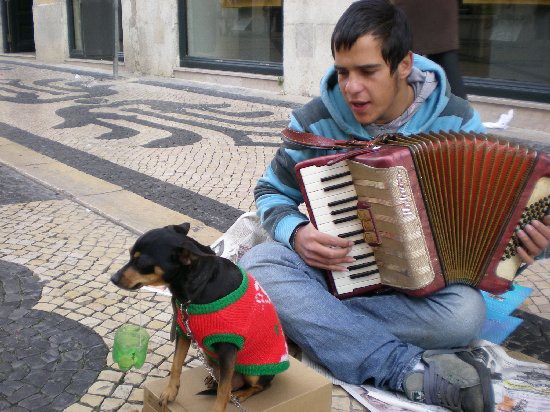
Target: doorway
18	26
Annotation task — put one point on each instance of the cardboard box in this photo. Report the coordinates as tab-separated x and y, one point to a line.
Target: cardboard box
298	389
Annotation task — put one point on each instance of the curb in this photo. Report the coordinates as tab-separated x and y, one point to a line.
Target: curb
106	199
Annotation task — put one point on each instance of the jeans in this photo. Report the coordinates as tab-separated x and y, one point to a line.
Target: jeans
378	338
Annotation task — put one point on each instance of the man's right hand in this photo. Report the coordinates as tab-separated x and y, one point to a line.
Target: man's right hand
321	250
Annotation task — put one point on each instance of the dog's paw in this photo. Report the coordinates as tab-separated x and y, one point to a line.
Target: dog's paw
168	395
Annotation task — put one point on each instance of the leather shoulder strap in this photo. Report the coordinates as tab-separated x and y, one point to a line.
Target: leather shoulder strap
310	140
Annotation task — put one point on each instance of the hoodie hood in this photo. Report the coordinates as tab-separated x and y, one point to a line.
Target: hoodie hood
429	111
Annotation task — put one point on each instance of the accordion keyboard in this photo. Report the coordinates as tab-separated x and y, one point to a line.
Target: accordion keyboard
332	199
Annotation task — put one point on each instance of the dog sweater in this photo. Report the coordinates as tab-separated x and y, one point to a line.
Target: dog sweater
246	318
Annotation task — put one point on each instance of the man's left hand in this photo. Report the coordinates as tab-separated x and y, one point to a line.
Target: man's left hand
535	238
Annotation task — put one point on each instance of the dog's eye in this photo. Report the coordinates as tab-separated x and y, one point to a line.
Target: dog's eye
146	269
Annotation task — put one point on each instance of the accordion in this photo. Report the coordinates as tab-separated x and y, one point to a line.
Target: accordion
427	210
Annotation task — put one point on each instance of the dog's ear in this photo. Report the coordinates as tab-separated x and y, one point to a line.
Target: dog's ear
192	250
183	228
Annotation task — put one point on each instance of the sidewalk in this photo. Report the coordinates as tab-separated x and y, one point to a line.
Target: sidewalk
113	159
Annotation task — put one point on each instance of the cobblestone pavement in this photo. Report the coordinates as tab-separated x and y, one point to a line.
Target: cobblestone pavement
195	150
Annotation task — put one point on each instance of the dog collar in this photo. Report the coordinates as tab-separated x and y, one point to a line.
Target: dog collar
201	309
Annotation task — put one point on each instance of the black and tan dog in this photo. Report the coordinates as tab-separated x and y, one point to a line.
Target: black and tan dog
213	286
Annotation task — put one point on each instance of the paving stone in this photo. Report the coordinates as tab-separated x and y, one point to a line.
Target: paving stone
122	391
111	404
101	388
92	400
78	408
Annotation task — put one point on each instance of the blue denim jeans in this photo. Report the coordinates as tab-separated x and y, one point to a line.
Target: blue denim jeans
369	337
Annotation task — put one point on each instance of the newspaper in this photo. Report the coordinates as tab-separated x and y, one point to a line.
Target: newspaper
518	386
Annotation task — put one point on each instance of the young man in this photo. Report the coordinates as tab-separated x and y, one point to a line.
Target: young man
376	86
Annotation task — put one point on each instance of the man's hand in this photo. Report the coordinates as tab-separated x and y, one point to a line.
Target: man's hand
535	238
321	250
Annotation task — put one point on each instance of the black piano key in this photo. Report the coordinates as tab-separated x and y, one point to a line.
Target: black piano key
349	234
337	186
361	265
341	201
344	219
363	274
365	256
336	176
358	241
344	210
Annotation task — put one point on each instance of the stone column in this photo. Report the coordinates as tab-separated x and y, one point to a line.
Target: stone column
151	36
308	26
2	39
51	38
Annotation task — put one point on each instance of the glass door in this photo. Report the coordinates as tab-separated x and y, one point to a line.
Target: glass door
91	26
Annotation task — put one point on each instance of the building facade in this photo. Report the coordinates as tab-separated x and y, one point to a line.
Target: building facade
278	45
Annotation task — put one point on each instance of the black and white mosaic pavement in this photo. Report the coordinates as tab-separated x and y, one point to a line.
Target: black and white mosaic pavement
47	362
18	189
198	151
174	197
532	337
207	130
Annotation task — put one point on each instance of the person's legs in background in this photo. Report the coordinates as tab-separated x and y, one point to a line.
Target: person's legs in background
450	62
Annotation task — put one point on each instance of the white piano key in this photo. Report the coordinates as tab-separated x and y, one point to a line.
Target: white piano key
316	184
348	273
322	219
327	197
338	229
336	191
324	210
324	170
345	287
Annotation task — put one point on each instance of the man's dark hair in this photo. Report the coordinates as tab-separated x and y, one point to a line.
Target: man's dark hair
380	19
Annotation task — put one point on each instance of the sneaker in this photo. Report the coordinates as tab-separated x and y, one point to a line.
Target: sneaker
454	380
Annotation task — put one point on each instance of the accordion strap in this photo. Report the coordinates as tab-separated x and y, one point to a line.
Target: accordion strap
321	142
355	147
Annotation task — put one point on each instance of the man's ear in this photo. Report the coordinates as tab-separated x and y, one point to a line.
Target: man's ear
405	66
183	228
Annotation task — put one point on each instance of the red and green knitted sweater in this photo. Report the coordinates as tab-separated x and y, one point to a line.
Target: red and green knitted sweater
246	318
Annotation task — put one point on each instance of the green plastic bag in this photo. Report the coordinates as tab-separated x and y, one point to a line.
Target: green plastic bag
130	346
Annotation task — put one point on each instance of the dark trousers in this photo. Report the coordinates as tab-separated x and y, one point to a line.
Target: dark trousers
449	61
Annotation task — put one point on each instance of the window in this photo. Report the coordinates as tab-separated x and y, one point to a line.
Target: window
91	28
505	48
240	35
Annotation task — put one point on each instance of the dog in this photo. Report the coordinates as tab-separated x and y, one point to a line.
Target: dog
247	349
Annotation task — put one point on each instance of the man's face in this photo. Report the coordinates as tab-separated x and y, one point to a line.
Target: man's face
371	91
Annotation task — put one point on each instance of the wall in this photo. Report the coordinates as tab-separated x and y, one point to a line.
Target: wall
2	40
50	30
151	36
306	50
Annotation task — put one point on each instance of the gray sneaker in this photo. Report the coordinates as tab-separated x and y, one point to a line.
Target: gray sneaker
452	379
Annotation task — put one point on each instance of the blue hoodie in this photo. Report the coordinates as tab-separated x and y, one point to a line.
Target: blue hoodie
277	192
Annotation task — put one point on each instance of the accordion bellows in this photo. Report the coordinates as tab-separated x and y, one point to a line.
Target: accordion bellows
435	209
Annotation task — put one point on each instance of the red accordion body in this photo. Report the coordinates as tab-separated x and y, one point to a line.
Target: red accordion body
432	209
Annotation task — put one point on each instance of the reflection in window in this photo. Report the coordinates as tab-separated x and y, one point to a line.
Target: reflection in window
507	40
77	25
235	29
